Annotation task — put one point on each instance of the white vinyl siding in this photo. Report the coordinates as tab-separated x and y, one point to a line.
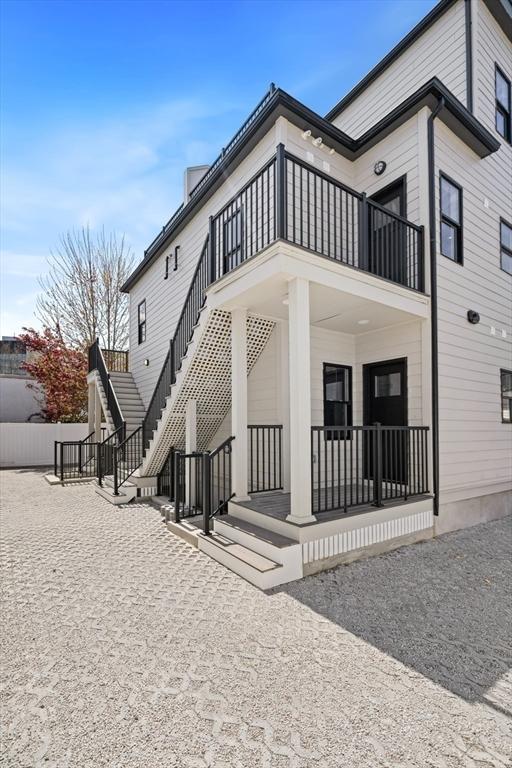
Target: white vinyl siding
475	447
439	52
165	298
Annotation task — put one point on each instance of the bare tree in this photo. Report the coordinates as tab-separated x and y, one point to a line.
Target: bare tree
81	296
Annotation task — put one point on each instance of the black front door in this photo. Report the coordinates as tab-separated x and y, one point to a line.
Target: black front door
385	403
387	255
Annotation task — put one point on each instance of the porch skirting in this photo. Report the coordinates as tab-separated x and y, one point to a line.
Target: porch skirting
366	538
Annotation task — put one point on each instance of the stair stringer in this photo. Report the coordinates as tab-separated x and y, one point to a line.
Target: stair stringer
205	376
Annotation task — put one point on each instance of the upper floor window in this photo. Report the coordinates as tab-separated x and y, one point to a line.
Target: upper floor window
141	321
506	246
506	396
451	219
337	397
503	119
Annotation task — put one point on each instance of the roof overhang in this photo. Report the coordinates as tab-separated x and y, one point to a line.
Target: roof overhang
281	104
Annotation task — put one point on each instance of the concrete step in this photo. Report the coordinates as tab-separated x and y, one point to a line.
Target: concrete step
127	492
274	546
253	567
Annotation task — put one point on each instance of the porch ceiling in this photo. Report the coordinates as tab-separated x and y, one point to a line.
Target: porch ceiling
330	308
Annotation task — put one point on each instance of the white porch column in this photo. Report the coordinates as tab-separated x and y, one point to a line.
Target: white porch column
190	447
97	415
91	418
239	401
300	401
284	402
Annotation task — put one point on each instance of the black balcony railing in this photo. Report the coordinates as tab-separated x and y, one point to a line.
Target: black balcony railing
75	459
353	466
265	457
116	360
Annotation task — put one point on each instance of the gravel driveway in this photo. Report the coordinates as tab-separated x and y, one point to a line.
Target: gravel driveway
122	646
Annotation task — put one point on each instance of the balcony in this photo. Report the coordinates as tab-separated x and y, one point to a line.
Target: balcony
292	201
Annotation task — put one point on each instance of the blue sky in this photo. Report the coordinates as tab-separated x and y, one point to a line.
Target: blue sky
105	102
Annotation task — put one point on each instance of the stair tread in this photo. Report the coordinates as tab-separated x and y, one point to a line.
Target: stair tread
245	555
276	539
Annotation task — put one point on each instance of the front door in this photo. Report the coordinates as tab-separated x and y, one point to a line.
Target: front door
388	235
385	403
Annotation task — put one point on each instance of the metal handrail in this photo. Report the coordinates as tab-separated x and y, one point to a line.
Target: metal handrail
97	362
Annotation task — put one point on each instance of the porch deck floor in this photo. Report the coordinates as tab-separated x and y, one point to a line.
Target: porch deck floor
277	504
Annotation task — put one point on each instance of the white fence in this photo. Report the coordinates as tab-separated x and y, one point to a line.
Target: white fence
31	445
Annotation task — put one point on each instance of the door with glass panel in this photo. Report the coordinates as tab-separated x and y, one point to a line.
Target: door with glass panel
385	403
387	255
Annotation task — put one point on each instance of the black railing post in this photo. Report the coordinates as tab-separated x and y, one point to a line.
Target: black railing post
212	267
377	465
173	363
207	497
114	467
79	458
177	500
55	443
421	259
62	462
99	465
363	261
280	192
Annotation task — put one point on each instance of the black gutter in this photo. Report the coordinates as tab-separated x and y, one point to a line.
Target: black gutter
455	115
469	55
397	51
433	301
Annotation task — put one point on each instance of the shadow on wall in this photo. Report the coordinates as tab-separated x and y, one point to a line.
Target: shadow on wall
442	608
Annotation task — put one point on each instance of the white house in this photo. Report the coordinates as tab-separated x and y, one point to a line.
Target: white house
321	334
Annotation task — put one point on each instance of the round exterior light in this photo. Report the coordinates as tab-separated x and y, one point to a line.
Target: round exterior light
379	167
146	361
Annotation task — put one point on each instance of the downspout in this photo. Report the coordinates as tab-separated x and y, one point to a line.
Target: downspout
433	302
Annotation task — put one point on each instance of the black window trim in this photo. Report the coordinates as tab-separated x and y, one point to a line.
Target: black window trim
505	421
350	408
505	248
399	184
141	325
499	106
450	221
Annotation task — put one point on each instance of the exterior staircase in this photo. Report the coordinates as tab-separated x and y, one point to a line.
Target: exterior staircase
129	399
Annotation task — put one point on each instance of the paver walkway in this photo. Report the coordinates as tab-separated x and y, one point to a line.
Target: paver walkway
124	647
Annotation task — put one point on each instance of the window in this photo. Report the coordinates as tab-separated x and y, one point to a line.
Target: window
503	121
506	397
232	241
337	397
506	246
141	319
388	385
451	219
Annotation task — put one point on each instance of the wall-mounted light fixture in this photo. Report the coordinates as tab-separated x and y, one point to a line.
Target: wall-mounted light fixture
473	317
317	142
146	361
379	167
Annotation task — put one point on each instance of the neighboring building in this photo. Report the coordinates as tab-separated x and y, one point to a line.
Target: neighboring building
325	275
18	402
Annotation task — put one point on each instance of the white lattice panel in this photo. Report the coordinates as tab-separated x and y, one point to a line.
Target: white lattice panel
207	379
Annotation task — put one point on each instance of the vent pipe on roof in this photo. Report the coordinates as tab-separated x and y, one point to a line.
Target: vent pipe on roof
192	177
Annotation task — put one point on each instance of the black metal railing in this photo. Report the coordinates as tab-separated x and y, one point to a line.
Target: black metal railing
217	482
127	457
106	450
97	362
329	218
179	343
246	224
166	476
188	484
75	459
116	360
265	457
352	466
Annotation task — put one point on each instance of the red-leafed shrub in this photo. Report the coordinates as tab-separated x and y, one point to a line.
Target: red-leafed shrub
62	373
